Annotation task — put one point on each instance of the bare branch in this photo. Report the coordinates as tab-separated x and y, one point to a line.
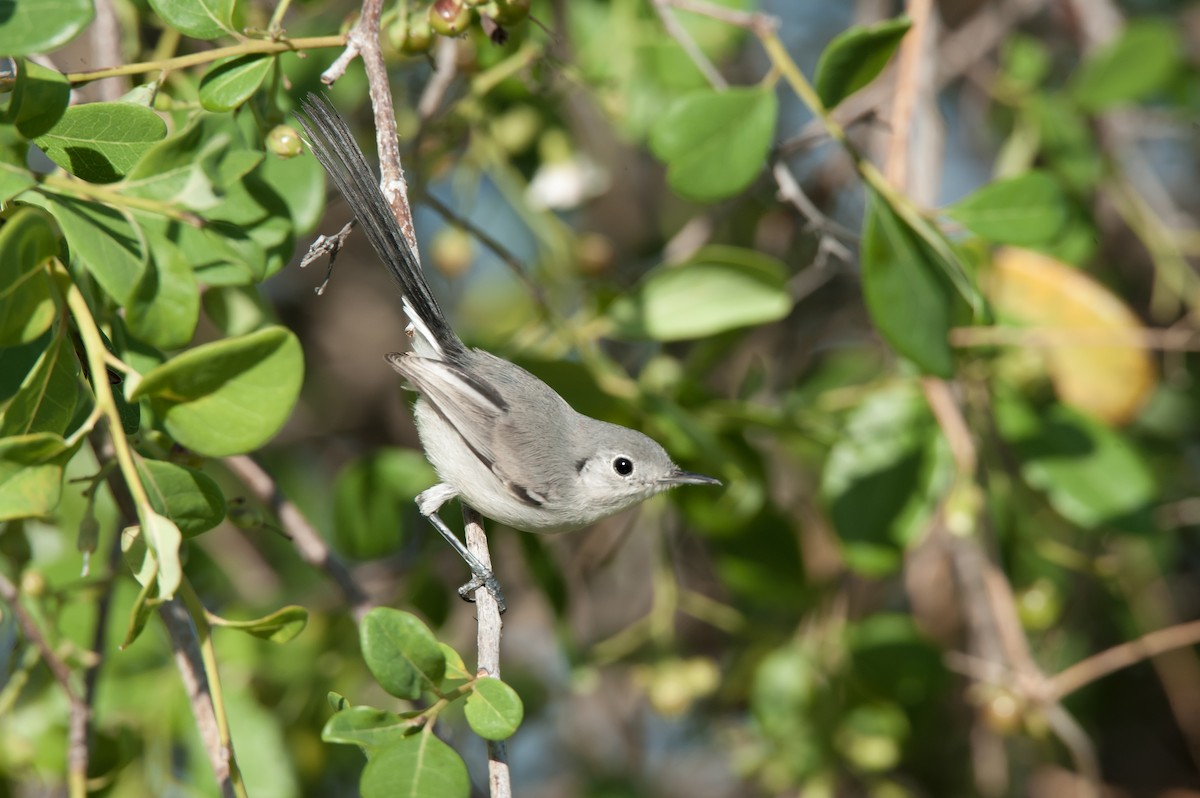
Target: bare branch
445	64
685	40
488	638
304	535
757	23
1111	660
327	246
363	40
186	646
510	260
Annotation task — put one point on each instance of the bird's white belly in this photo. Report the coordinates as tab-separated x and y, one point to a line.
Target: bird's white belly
459	467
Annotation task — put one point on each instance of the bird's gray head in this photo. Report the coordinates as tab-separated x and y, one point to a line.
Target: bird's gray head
620	467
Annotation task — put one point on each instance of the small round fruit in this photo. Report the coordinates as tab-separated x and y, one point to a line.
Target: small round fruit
284	141
449	17
419	38
510	12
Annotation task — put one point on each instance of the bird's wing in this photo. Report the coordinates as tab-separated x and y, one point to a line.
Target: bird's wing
472	407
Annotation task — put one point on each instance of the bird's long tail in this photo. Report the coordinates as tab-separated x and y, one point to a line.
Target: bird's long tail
335	147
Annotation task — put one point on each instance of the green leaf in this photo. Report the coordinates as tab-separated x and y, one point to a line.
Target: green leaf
46	399
130	412
1026	210
16	362
1090	473
456	669
891	657
855	58
235	310
401	652
883	477
1067	141
163	539
165	306
1141	61
220	253
708	158
494	710
229	82
179	169
13	180
200	19
418	766
281	626
1025	61
371	497
31	472
253	208
41	26
906	289
367	727
190	498
229	396
787	684
722	288
27	306
139	613
101	142
299	182
39	98
107	243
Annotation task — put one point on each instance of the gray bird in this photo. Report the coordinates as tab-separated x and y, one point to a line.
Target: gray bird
500	439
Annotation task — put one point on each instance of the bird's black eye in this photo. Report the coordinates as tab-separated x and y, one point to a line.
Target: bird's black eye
623	466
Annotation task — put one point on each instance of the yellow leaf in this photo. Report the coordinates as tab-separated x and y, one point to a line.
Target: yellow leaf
1095	355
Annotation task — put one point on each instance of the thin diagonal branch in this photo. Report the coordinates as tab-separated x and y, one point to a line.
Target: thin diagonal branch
304	535
1111	660
186	647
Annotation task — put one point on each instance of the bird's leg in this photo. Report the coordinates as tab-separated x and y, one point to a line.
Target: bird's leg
481	576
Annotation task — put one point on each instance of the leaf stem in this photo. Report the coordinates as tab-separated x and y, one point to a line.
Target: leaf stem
264	46
95	350
208	655
82	188
275	26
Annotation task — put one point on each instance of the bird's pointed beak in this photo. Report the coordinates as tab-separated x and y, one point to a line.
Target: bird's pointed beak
679	477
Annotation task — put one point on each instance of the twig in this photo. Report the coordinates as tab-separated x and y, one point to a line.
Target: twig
307	540
760	24
488	640
1121	656
685	40
1178	670
445	63
191	669
510	260
1180	339
327	246
996	630
77	752
756	22
363	40
949	416
1139	194
264	46
104	38
79	732
791	192
958	51
190	661
208	658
